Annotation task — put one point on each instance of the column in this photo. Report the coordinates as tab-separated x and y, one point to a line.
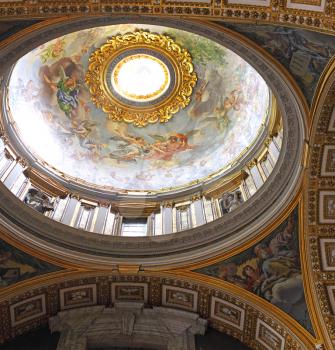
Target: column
117	229
197	212
273	150
101	218
71	211
60	206
109	223
256	175
208	209
216	208
158	224
167	216
151	225
13	175
7	163
92	219
250	187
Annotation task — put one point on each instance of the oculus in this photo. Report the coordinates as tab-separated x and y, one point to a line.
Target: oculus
141	78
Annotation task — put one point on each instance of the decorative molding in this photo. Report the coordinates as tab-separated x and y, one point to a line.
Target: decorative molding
331	296
138	110
313	14
319	196
327	250
250	306
331	125
328	161
249	2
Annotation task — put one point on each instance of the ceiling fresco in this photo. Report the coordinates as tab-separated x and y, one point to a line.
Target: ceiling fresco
271	269
304	53
16	266
55	118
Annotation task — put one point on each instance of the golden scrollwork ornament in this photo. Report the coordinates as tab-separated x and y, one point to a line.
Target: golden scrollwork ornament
114	78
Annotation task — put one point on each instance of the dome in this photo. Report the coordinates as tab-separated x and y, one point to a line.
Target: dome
65	134
156	141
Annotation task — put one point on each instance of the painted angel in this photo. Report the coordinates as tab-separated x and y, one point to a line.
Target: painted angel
166	147
63	79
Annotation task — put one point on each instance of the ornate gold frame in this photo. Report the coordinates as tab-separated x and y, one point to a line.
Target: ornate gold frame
102	97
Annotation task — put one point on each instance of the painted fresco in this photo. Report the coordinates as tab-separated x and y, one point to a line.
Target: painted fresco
16	266
270	269
57	121
304	53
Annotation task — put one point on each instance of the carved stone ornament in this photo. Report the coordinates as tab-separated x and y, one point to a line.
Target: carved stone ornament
37	200
126	325
231	200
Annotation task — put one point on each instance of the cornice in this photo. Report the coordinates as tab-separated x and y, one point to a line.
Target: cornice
303	13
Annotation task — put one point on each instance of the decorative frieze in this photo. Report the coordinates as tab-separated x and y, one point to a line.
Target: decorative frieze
321	210
225	310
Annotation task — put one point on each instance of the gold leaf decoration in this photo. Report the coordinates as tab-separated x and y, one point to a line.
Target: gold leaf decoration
141	115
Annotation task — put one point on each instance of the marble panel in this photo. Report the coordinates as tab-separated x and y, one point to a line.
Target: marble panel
268	337
125	291
27	310
250	2
328	161
308	5
226	312
180	297
85	295
331	297
327	250
327	207
331	126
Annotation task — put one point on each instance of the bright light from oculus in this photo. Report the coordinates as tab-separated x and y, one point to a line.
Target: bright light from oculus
140	78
